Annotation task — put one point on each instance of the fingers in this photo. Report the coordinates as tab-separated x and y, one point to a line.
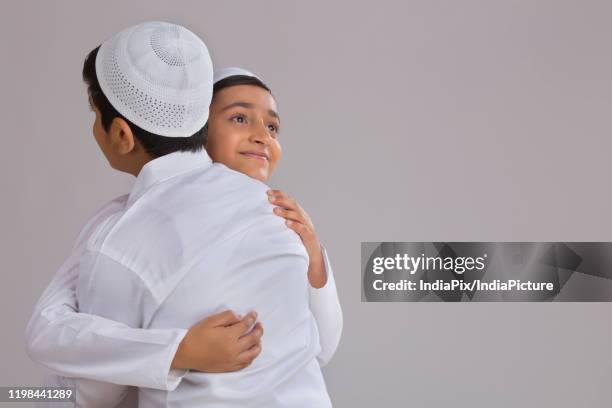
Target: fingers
243	325
274	192
301	229
281	199
249	340
288	208
289	214
223	319
249	346
246	357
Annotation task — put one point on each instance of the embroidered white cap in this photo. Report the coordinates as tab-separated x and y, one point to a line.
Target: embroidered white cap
159	76
231	71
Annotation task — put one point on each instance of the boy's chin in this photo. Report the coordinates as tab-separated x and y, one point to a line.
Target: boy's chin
257	174
261	175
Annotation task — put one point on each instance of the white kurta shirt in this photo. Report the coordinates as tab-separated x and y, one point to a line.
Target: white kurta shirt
192	239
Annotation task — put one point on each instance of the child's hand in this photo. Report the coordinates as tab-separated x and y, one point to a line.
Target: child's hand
220	343
298	220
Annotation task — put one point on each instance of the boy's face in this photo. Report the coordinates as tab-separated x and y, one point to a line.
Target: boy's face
243	130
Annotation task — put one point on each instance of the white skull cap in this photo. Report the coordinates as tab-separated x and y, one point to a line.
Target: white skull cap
159	76
232	71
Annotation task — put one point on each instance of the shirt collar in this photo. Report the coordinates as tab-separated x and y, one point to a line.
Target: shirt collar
166	167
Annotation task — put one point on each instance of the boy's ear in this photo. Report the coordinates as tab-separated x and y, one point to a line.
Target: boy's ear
121	136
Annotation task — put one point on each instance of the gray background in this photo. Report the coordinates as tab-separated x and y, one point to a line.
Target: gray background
419	121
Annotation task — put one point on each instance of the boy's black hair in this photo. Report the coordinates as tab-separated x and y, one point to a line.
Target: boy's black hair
154	145
235	80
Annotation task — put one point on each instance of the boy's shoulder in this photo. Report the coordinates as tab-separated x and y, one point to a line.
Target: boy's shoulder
249	192
107	210
246	183
216	201
216	190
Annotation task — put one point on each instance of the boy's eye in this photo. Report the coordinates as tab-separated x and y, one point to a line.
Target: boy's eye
273	128
238	119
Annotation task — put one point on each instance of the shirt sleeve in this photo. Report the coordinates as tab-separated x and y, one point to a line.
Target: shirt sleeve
325	307
87	346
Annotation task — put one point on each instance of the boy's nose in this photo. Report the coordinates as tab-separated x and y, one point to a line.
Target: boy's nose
260	135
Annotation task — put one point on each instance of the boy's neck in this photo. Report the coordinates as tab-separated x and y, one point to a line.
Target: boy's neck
135	165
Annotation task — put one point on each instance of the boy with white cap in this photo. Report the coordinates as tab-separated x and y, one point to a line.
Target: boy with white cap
192	237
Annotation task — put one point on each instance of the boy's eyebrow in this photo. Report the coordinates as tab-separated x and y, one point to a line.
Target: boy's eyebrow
248	105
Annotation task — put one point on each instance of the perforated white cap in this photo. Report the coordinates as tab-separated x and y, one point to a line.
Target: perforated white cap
159	76
232	71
